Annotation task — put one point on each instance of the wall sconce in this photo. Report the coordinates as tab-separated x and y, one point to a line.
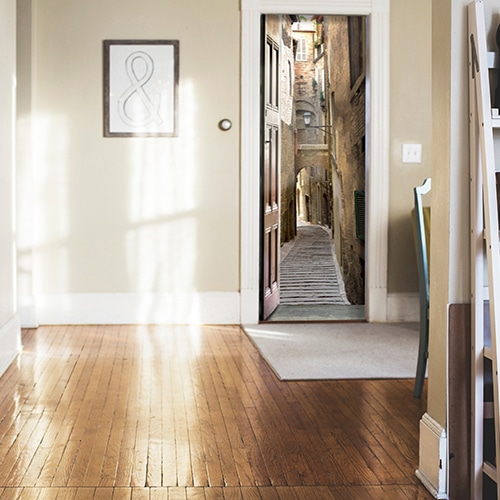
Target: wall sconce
307	122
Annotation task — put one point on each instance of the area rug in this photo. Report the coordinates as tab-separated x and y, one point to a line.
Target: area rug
318	351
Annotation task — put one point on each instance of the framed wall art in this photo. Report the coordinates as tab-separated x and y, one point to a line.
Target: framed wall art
141	80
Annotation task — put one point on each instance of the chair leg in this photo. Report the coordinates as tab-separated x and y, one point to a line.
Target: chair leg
422	358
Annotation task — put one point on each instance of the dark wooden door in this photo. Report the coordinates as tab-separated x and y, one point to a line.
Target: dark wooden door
270	178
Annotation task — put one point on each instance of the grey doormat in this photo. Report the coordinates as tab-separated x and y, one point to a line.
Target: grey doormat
318	351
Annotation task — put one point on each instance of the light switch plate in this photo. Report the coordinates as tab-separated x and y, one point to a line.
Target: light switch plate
412	153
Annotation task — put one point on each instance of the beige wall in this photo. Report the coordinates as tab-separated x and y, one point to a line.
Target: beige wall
125	216
441	60
121	215
411	115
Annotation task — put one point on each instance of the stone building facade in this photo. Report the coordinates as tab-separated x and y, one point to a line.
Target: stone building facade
288	218
346	96
314	189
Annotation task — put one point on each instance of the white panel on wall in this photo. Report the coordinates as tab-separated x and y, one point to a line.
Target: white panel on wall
9	323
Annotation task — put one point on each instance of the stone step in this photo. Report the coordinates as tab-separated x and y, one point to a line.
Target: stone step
308	274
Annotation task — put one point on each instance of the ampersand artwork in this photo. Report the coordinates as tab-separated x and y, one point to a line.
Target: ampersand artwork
135	106
141	79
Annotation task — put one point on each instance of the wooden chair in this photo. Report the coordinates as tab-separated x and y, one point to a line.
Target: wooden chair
421	218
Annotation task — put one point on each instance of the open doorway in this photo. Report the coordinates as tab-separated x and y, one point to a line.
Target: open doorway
316	269
377	147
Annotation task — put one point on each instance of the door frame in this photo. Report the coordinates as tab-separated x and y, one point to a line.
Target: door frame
377	144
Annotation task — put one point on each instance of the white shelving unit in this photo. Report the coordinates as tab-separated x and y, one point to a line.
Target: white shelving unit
485	265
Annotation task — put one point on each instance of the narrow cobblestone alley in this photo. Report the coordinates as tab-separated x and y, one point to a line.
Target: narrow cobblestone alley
309	274
311	286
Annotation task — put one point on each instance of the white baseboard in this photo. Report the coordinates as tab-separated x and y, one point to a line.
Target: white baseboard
183	308
26	310
403	307
433	463
249	307
10	343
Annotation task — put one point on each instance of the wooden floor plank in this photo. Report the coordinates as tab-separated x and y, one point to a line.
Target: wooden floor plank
386	433
182	444
47	493
125	432
268	493
49	454
177	493
196	493
140	494
121	493
357	419
240	434
158	494
26	494
194	412
206	399
194	401
101	419
299	431
248	493
248	457
222	421
307	492
119	392
67	493
72	468
214	493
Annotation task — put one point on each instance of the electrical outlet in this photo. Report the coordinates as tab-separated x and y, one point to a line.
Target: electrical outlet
412	153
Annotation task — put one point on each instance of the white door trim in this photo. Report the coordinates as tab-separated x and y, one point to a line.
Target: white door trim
377	144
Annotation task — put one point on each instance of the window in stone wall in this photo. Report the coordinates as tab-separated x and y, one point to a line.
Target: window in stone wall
301	50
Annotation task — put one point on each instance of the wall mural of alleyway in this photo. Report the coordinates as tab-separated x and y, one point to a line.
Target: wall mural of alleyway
322	95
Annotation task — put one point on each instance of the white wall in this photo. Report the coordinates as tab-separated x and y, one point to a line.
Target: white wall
9	324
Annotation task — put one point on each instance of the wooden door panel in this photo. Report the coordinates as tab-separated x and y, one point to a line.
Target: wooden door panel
270	180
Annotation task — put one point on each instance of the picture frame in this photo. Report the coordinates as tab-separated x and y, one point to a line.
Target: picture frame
141	79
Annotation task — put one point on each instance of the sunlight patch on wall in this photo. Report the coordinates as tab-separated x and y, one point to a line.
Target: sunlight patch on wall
24	207
162	240
51	218
161	254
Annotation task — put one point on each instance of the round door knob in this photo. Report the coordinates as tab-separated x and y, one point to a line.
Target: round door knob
225	124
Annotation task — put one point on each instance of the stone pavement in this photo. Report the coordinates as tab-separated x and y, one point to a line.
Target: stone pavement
309	272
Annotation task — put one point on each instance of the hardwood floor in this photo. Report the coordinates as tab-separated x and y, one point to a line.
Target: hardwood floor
173	412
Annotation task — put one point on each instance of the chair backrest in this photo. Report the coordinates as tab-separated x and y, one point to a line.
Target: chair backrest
422	238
